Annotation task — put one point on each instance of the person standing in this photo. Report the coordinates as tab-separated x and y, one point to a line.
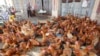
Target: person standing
13	11
29	10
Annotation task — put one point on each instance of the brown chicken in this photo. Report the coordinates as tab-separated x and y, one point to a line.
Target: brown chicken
27	30
34	42
81	35
45	52
67	50
23	46
77	50
7	42
52	50
10	52
29	45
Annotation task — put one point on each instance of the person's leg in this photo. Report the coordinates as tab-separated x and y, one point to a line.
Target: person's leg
34	12
28	13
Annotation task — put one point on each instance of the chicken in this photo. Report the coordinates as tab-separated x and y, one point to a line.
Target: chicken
48	24
8	52
45	52
52	50
92	54
27	30
83	51
82	40
22	46
2	52
6	45
63	24
1	30
77	50
69	35
24	55
5	31
67	50
7	42
88	50
44	38
29	45
34	42
71	38
95	40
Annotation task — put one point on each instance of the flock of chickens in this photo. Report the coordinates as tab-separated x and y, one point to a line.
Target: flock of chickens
64	36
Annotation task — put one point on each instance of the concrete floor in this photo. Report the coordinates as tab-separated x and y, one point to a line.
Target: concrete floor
40	18
45	18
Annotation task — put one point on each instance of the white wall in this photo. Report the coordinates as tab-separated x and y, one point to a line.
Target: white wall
6	2
2	2
55	8
9	3
93	15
